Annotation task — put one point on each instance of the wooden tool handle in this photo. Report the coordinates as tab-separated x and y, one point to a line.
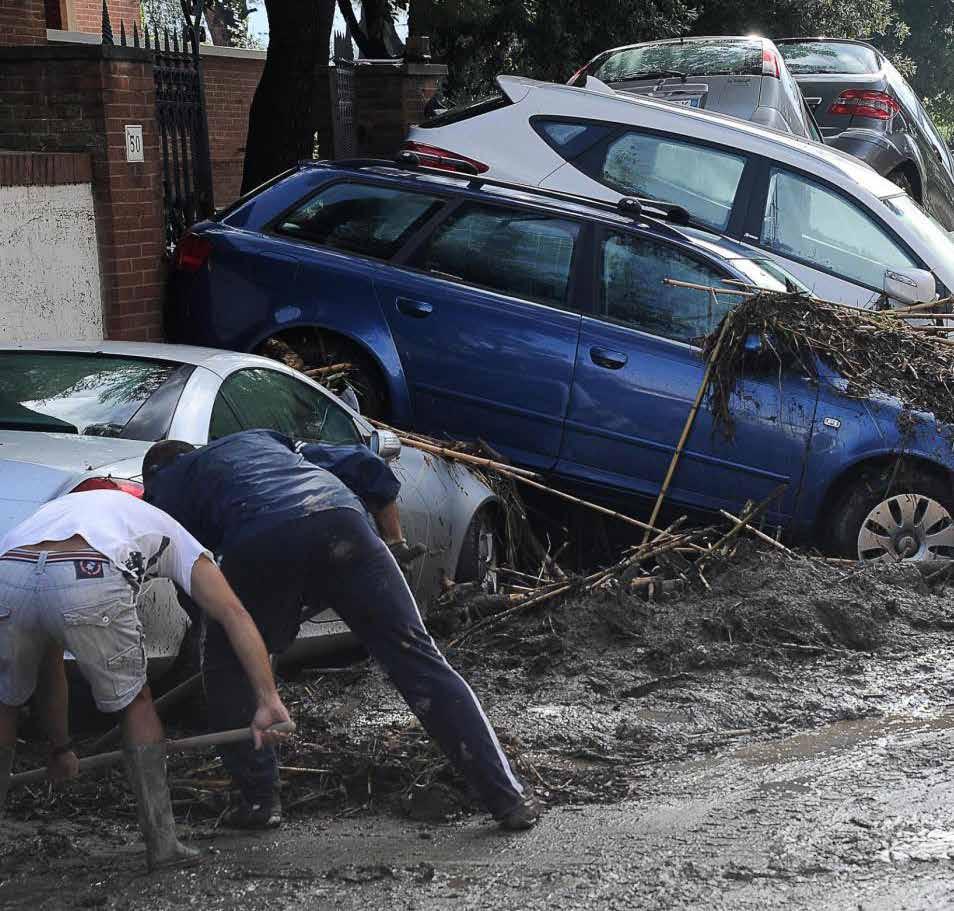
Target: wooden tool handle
173	746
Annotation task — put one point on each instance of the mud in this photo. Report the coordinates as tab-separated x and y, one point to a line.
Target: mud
782	739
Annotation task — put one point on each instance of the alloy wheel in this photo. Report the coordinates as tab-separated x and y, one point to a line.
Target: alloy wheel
906	527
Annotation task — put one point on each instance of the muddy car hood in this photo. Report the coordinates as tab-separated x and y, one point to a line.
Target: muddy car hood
36	467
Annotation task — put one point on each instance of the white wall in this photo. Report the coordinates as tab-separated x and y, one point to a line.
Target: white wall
49	264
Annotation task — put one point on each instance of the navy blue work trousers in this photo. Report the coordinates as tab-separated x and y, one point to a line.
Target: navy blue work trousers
334	557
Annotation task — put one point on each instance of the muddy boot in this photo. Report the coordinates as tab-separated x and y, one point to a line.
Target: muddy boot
262	814
6	765
525	815
146	770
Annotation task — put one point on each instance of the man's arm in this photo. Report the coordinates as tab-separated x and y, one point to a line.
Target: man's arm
212	593
52	699
367	475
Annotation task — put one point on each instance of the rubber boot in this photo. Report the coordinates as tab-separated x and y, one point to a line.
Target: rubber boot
6	766
146	770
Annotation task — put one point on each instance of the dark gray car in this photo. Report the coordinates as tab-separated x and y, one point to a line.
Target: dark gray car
742	76
865	107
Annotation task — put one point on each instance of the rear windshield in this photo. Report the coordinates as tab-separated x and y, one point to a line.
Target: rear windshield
75	393
716	57
466	111
804	57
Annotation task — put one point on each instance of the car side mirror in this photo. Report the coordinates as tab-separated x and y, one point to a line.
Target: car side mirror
385	444
910	286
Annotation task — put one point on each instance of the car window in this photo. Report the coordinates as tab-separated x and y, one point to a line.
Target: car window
700	57
704	181
571	139
360	218
520	253
804	220
92	394
635	293
259	398
803	57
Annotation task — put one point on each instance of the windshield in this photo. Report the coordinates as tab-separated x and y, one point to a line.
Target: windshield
75	393
804	57
765	274
715	57
926	228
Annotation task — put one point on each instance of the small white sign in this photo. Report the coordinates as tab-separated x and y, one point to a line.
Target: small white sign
134	142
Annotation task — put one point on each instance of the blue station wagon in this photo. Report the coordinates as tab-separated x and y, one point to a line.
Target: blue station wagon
548	327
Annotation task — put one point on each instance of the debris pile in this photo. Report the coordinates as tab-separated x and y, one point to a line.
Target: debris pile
874	351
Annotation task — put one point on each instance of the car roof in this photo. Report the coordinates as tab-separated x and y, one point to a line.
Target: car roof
216	360
743	134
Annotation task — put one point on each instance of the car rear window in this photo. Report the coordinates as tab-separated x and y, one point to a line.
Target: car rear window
807	57
466	111
366	219
717	57
76	393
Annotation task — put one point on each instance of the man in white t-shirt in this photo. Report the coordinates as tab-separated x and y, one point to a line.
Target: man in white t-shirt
70	577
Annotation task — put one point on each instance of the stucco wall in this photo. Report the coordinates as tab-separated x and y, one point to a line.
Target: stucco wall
49	264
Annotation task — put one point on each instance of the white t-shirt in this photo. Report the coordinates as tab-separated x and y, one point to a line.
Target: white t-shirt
136	538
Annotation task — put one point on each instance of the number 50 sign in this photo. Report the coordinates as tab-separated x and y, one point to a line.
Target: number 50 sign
134	142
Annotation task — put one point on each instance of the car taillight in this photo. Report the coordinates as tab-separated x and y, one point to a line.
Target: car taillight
131	487
865	103
192	251
770	64
442	159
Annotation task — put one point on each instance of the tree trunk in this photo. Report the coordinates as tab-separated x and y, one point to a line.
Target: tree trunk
282	121
216	18
420	20
370	37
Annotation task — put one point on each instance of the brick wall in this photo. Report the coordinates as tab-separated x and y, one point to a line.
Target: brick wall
87	15
230	83
389	97
22	22
79	98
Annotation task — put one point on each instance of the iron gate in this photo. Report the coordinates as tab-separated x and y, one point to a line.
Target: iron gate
181	116
341	83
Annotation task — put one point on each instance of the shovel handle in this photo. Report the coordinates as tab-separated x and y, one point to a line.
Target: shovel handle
186	745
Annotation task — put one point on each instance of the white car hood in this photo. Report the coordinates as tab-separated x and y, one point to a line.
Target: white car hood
36	467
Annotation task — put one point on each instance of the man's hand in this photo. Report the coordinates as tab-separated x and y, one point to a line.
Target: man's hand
271	711
63	767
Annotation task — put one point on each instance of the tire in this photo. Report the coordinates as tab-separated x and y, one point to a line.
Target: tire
476	562
900	177
886	511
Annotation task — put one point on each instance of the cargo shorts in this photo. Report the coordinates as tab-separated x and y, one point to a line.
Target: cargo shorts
81	602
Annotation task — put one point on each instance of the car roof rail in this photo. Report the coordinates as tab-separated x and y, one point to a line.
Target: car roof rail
632	206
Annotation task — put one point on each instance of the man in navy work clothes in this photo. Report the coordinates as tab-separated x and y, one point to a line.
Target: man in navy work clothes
291	532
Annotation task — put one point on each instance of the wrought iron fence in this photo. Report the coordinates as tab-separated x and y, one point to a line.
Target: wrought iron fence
181	118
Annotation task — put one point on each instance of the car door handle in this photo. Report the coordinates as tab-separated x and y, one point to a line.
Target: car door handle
611	360
417	309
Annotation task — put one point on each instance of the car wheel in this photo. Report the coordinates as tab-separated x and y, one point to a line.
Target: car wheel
478	555
888	517
900	177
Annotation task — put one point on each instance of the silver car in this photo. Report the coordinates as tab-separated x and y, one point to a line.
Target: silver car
745	77
80	416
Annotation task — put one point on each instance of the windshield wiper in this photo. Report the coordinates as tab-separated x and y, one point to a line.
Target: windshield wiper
649	74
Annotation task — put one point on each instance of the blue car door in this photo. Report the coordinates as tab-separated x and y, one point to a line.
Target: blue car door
484	321
638	373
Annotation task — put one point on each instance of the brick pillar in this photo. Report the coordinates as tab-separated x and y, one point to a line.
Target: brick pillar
390	97
79	98
22	22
